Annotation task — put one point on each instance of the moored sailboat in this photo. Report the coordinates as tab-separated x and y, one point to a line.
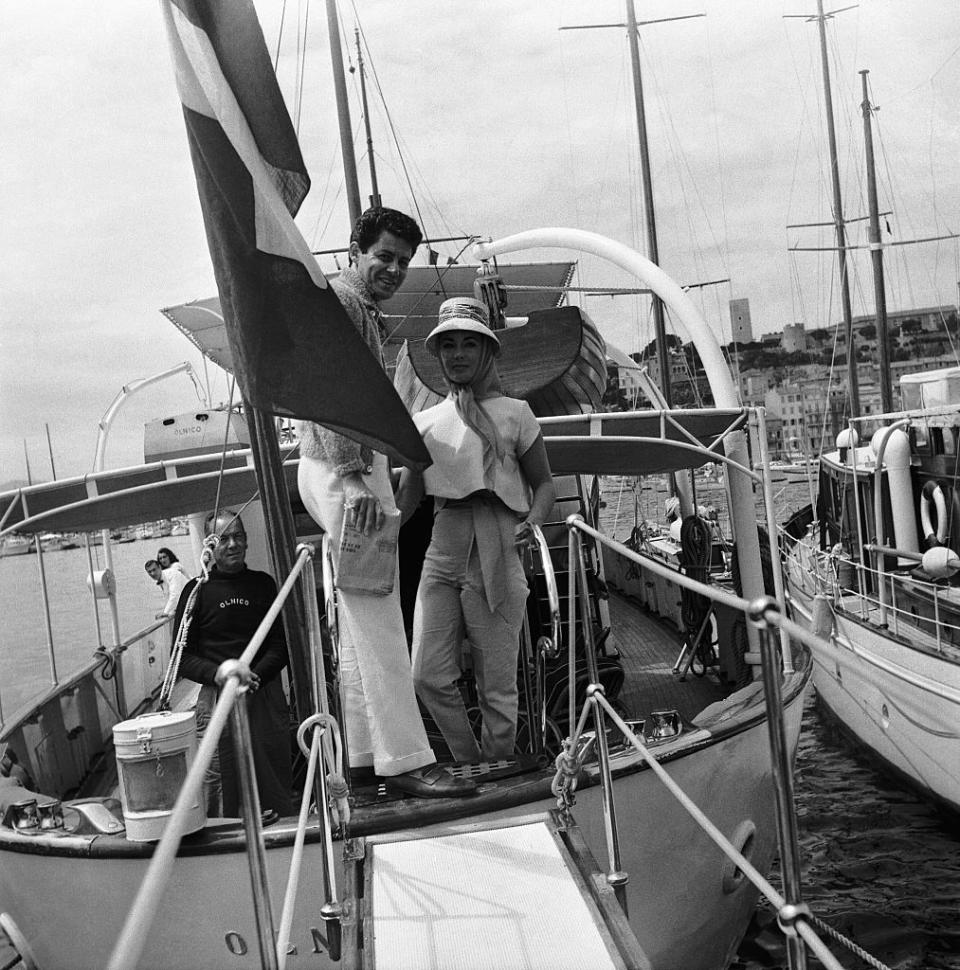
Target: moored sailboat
872	570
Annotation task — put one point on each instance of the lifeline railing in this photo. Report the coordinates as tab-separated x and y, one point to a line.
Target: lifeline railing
794	917
822	573
234	675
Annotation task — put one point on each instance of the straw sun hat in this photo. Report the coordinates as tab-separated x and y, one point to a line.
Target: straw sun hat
461	313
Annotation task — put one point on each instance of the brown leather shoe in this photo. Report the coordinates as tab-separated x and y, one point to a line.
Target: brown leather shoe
431	781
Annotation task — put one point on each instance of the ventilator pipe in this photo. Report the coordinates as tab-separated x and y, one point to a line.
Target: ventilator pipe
892	448
743	515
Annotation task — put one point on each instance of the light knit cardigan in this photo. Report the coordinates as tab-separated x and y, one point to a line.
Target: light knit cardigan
316	441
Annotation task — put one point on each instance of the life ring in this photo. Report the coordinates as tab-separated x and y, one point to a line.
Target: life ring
933	492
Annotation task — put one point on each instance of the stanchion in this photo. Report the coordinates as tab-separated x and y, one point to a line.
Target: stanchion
246	771
782	778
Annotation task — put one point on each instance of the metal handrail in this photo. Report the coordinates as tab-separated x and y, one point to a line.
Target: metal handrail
767	616
553	647
129	946
792	917
547	647
825	580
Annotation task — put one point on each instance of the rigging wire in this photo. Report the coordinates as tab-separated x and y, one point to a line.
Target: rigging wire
383	102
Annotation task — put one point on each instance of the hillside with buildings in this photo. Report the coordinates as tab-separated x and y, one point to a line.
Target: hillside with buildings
800	376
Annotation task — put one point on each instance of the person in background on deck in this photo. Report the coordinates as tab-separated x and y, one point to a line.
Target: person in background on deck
491	483
169	561
153	570
228	609
338	477
174	578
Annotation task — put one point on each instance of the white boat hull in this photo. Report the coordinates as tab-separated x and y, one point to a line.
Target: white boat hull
898	701
685	904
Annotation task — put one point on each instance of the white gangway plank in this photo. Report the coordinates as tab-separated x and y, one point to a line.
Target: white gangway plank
515	894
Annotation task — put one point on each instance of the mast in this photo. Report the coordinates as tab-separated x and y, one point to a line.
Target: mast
854	387
53	470
653	250
374	190
876	254
343	114
26	459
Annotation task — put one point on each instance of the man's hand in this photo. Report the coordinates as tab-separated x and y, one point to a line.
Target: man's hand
247	678
361	507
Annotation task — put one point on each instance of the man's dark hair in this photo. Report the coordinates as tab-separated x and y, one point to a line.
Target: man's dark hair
151	562
367	229
211	520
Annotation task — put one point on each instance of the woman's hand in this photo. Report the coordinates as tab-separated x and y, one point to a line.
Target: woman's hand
361	507
524	536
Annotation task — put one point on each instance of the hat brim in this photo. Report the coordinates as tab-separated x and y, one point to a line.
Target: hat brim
463	324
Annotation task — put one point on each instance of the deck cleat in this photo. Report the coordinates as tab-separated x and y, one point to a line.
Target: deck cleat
660	725
50	816
22	816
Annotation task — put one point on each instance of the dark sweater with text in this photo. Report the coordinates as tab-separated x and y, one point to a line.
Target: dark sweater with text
228	611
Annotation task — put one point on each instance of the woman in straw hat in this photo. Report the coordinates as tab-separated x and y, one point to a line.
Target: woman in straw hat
491	483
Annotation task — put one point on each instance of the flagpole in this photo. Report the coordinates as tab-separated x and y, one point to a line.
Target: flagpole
282	539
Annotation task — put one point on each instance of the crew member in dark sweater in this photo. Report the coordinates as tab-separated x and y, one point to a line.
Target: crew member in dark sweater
229	607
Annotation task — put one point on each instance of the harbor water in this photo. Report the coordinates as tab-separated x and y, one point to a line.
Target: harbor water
879	865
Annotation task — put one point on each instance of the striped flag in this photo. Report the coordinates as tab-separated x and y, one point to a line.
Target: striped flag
294	349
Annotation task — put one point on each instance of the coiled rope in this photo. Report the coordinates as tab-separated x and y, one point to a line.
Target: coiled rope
337	790
173	668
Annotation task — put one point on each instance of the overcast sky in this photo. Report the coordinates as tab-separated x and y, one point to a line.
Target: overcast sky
506	123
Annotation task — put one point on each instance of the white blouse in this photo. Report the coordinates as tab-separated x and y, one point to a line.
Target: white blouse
457	450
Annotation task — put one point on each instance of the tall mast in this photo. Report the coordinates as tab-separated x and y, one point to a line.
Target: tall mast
653	250
374	190
854	387
26	459
876	254
343	113
53	470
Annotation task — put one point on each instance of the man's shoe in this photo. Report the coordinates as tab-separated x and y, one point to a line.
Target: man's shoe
430	782
268	816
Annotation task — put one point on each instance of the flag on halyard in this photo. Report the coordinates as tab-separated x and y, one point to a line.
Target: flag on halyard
295	351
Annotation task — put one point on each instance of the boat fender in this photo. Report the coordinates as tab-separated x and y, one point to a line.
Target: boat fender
940	562
822	618
102	584
932	492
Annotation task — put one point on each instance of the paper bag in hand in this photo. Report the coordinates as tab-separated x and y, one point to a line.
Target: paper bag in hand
368	564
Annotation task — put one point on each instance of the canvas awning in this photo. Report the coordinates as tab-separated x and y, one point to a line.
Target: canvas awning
628	443
530	286
638	442
131	496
